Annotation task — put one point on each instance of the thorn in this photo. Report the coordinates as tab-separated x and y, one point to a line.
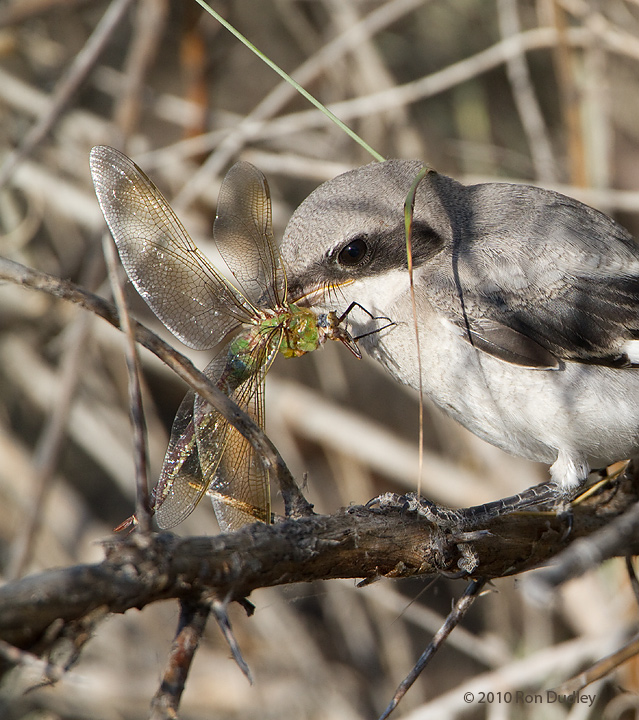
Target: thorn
219	610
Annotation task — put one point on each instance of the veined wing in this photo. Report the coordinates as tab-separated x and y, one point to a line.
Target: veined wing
181	485
238	483
240	491
243	233
178	283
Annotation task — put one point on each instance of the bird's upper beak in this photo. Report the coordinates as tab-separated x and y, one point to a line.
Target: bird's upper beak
312	294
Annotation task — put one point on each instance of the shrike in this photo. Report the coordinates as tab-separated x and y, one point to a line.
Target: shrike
527	306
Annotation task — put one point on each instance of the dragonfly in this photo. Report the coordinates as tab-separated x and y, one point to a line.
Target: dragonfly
248	324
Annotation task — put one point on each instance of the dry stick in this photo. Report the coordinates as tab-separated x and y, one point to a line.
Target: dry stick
191	626
149	24
15	13
586	553
221	615
141	452
569	99
452	620
344	43
295	503
600	669
68	86
150	21
48	447
354	543
530	114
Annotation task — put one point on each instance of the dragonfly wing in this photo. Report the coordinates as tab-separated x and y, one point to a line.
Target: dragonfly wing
178	283
238	482
240	492
243	233
181	485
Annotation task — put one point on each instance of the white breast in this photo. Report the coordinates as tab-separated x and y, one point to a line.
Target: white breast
576	416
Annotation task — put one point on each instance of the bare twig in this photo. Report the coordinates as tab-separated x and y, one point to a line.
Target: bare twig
295	503
193	617
601	668
49	447
142	504
219	609
68	85
609	541
150	20
528	108
453	619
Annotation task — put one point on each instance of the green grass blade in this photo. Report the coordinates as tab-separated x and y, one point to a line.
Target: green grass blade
245	41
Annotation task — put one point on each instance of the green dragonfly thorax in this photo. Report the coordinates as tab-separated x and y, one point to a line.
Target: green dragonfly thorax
300	331
294	330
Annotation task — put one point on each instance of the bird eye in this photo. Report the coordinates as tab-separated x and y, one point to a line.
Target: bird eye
354	252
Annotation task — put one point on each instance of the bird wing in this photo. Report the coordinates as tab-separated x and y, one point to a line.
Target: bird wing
539	278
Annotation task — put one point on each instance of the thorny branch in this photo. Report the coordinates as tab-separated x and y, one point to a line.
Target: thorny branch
357	542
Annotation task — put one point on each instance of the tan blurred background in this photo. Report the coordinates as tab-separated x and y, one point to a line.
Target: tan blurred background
537	91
